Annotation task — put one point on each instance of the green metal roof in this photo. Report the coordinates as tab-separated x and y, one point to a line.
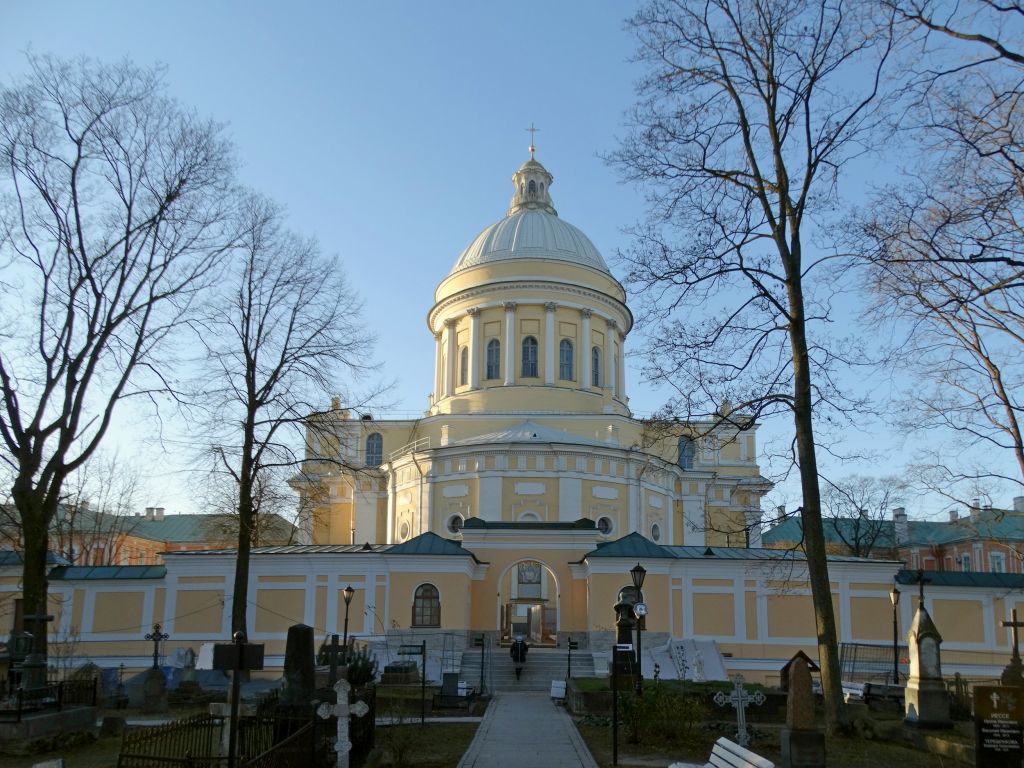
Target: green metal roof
429	544
962	579
10	558
632	545
994	524
97	572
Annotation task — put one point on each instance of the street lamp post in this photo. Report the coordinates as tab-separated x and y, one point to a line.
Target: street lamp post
894	598
348	593
638	573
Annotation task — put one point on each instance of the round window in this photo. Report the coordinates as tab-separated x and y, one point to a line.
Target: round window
605	525
403	532
455	523
656	532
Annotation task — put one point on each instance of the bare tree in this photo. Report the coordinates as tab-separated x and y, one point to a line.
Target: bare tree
96	510
746	119
112	204
286	326
857	508
280	515
945	247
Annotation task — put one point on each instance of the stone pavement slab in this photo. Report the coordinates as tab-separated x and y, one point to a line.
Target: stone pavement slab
526	730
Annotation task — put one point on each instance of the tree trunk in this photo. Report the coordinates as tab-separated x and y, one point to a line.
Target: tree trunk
35	517
810	515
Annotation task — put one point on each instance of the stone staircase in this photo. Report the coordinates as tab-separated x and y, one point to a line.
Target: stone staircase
542	666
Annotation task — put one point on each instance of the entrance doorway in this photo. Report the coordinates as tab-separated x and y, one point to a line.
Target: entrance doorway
529	605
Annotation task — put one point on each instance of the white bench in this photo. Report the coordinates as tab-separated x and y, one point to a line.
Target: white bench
728	754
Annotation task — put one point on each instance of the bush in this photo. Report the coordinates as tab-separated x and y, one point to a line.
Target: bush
362	666
660	712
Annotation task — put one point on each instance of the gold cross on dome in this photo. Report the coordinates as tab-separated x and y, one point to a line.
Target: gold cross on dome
532	131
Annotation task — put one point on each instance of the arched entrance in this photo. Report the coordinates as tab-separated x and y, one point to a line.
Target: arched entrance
528	593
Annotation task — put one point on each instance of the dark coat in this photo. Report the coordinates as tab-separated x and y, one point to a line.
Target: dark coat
518	651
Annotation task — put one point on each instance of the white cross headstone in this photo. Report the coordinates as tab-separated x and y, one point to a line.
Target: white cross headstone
739	698
342	711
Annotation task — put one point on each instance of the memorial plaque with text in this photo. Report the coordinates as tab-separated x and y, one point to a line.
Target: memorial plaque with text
998	726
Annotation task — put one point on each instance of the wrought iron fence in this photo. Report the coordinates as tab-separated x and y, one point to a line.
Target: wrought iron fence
192	742
15	704
871	663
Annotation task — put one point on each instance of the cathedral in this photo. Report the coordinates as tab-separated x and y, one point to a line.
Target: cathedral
519	503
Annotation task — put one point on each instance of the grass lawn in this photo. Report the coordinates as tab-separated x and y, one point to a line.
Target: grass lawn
841	752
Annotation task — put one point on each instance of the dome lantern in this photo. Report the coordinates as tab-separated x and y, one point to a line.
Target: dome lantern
532	182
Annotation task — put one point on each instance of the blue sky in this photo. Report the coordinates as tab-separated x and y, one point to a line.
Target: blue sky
388	129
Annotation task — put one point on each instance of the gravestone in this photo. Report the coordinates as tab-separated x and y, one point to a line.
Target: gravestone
803	745
739	698
154	691
299	671
998	726
926	699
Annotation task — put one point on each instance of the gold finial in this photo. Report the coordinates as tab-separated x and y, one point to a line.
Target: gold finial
532	131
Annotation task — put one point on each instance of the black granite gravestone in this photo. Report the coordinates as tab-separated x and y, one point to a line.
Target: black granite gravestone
998	726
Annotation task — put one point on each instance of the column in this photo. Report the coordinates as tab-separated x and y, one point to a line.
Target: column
609	357
585	345
438	373
510	343
474	347
620	377
549	342
453	354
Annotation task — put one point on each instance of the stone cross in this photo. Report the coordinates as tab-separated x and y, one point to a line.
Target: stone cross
1014	672
1014	625
739	698
157	637
342	711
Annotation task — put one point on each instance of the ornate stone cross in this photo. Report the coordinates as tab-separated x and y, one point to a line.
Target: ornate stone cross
157	637
739	698
342	711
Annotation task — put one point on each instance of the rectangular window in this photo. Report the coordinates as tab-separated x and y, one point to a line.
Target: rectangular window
965	562
996	562
493	359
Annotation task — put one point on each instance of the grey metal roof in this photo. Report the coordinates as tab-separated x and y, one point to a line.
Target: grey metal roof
424	544
95	572
583	524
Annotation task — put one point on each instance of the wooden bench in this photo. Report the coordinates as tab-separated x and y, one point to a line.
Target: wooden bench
728	754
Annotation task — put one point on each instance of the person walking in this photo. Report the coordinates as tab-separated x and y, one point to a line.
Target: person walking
518	654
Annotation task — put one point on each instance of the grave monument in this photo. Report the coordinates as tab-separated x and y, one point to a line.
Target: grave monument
803	745
926	699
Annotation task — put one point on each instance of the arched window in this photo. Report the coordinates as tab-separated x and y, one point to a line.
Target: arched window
493	359
532	187
426	607
687	450
529	357
565	360
595	367
464	367
374	449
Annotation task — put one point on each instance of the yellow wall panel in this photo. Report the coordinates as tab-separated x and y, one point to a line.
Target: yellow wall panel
117	611
199	610
791	616
714	615
871	618
278	609
959	621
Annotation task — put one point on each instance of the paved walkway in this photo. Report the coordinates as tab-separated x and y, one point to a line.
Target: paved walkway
526	730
